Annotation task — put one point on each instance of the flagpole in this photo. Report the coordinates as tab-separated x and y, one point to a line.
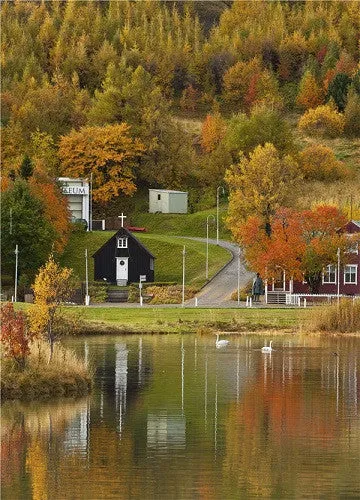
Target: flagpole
16	272
338	274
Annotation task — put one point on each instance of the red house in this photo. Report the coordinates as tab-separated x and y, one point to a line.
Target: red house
345	281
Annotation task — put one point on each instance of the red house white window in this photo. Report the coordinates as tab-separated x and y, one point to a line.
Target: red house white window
354	249
329	274
350	274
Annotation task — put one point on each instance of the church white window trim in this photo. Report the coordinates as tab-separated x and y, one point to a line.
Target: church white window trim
122	242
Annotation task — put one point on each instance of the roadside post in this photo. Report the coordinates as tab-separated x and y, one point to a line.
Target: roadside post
238	279
142	278
87	296
338	275
207	245
183	278
217	211
16	271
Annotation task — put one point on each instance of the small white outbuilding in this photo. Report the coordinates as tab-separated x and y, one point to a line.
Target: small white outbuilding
168	201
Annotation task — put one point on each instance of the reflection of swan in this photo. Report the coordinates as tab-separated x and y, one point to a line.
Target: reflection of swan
267	348
221	343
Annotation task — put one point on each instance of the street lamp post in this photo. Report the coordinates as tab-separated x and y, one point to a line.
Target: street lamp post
338	274
217	212
87	298
91	203
238	279
183	278
207	244
16	272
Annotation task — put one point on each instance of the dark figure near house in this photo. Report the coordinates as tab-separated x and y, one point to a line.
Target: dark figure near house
257	288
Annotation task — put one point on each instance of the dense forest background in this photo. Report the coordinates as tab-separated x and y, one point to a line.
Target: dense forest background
192	83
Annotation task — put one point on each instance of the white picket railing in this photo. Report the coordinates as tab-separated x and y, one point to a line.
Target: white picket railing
299	299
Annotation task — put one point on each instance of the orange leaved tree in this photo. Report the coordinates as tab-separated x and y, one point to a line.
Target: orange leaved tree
212	132
56	209
15	335
109	153
300	243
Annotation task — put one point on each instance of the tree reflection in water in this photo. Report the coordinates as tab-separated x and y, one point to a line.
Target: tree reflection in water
173	417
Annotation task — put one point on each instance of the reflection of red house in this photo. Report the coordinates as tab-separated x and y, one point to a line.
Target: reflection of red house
345	282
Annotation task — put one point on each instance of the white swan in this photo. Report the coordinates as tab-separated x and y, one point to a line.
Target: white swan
267	348
221	343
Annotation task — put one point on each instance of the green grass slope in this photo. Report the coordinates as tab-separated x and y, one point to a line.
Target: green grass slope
183	224
166	249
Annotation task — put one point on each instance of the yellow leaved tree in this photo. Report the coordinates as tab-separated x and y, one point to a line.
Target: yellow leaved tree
109	153
259	185
53	286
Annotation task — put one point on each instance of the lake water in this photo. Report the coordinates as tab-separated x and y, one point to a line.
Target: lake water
172	417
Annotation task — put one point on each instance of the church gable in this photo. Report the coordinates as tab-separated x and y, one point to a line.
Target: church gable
122	259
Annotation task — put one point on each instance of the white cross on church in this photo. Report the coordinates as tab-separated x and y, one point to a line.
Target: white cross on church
122	217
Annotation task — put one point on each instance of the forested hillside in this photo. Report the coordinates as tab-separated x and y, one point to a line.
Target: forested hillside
171	94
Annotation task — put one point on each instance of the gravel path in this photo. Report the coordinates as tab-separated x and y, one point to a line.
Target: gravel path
218	291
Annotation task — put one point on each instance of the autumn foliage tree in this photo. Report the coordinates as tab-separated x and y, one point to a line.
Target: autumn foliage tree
212	132
301	243
56	209
352	114
263	125
15	335
322	121
109	153
189	98
318	162
310	93
259	185
53	286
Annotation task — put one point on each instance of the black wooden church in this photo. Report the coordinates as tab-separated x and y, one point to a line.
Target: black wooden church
123	259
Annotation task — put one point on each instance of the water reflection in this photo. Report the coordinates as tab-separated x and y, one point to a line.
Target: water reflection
174	417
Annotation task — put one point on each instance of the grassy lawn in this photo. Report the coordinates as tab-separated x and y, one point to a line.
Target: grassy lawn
183	224
166	320
167	250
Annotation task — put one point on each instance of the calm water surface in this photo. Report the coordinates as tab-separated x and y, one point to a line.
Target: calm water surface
174	417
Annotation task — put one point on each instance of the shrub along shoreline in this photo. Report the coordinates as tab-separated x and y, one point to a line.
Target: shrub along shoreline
66	375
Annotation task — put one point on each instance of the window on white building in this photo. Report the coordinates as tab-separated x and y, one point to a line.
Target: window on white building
350	274
122	242
329	274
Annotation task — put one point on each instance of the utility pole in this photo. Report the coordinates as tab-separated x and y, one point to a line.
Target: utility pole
217	212
90	202
183	279
87	298
207	245
16	272
338	275
238	279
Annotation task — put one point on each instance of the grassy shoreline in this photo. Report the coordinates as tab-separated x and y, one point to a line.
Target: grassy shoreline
66	375
104	320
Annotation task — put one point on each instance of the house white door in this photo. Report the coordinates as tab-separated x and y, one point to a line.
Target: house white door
122	270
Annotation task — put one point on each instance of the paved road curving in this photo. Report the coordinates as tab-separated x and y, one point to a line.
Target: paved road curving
218	291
